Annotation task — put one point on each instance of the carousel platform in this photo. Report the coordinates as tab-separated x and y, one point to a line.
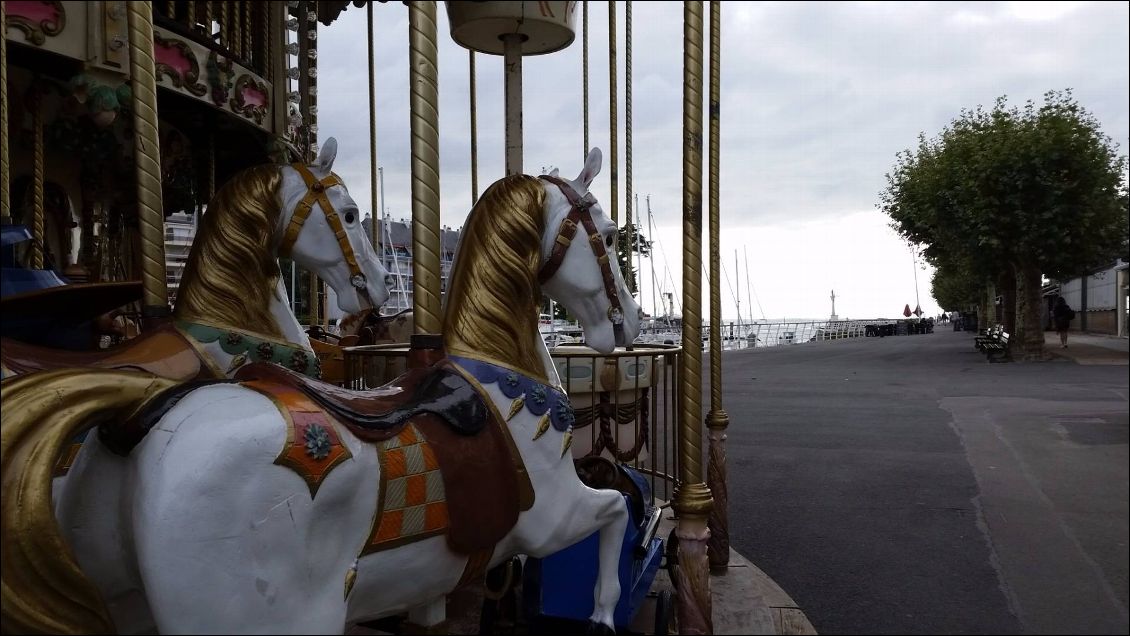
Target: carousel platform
745	601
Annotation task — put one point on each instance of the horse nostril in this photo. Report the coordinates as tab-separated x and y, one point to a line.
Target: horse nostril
389	280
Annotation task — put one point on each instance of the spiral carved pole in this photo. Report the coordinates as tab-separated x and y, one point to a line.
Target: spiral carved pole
585	75
628	112
38	174
147	158
717	420
692	500
5	169
614	153
374	233
474	131
424	80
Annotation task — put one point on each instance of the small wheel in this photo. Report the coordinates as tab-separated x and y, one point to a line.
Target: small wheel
664	607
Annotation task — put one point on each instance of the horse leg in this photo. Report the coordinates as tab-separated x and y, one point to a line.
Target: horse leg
612	515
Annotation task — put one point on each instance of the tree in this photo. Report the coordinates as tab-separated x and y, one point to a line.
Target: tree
955	286
626	247
1026	191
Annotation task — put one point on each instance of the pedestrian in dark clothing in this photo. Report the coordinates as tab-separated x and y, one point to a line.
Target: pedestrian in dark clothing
1062	315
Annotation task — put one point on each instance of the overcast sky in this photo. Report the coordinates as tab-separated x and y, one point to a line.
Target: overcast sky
817	98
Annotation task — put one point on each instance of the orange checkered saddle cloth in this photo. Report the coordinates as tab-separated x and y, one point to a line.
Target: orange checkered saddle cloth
448	464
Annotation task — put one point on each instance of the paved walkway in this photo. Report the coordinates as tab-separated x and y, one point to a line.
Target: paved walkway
1090	348
904	485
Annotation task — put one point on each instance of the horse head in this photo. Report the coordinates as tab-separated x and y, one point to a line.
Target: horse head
321	230
584	275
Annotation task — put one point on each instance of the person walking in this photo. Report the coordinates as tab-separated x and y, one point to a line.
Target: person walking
1062	314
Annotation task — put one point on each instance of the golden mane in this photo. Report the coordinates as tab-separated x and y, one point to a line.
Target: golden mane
493	295
232	271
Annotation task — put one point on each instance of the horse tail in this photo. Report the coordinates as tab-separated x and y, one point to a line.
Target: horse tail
42	587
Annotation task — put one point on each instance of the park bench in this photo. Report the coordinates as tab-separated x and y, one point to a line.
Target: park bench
990	335
996	350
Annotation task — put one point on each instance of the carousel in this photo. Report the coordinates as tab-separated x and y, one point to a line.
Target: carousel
223	460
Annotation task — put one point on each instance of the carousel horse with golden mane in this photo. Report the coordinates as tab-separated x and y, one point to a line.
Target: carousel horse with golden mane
274	503
232	306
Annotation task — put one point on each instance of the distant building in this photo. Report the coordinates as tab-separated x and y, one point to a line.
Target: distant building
395	249
1101	299
180	230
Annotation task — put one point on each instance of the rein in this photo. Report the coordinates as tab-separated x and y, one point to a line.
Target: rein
316	193
580	214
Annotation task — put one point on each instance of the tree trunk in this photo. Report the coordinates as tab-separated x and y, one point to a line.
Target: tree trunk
1007	286
1029	337
985	315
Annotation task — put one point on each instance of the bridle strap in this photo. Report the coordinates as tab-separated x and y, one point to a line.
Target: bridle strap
316	193
579	214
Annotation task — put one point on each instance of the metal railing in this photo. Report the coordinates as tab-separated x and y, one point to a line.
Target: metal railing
625	403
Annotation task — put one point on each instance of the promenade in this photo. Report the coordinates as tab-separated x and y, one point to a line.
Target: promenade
905	485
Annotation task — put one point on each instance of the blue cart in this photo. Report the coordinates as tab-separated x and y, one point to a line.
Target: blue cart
558	590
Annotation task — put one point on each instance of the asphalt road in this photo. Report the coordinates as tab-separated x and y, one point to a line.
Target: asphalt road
903	485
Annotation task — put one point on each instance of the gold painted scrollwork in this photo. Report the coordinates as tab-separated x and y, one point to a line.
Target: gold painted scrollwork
241	106
190	80
36	27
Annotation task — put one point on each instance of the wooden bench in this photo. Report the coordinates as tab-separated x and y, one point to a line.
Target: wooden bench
996	350
990	335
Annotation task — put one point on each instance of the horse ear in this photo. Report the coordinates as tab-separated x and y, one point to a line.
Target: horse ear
326	157
555	173
592	168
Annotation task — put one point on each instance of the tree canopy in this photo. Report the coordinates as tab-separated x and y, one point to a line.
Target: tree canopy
1036	189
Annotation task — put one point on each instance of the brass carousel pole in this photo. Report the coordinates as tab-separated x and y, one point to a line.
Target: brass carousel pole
692	501
5	169
147	158
717	420
474	134
628	113
585	74
374	234
612	116
424	80
38	174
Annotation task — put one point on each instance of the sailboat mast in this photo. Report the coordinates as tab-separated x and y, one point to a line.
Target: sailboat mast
639	256
654	282
749	287
738	285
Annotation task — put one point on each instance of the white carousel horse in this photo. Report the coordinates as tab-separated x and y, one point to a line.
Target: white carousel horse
232	284
232	307
205	527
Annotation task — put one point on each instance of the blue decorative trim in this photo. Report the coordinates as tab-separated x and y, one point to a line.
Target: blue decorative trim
539	398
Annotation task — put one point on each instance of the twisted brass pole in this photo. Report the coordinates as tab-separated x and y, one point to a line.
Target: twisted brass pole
585	73
5	168
424	80
374	234
38	174
612	116
628	112
266	49
474	134
147	158
224	25
248	53
717	420
692	501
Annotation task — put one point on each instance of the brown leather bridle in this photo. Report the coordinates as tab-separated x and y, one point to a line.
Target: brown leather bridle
580	214
316	193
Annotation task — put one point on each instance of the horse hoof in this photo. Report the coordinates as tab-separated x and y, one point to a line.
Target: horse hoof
600	629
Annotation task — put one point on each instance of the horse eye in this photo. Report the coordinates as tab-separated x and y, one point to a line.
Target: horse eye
608	241
349	217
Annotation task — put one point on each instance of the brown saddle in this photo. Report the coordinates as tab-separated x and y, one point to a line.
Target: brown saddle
162	351
484	479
